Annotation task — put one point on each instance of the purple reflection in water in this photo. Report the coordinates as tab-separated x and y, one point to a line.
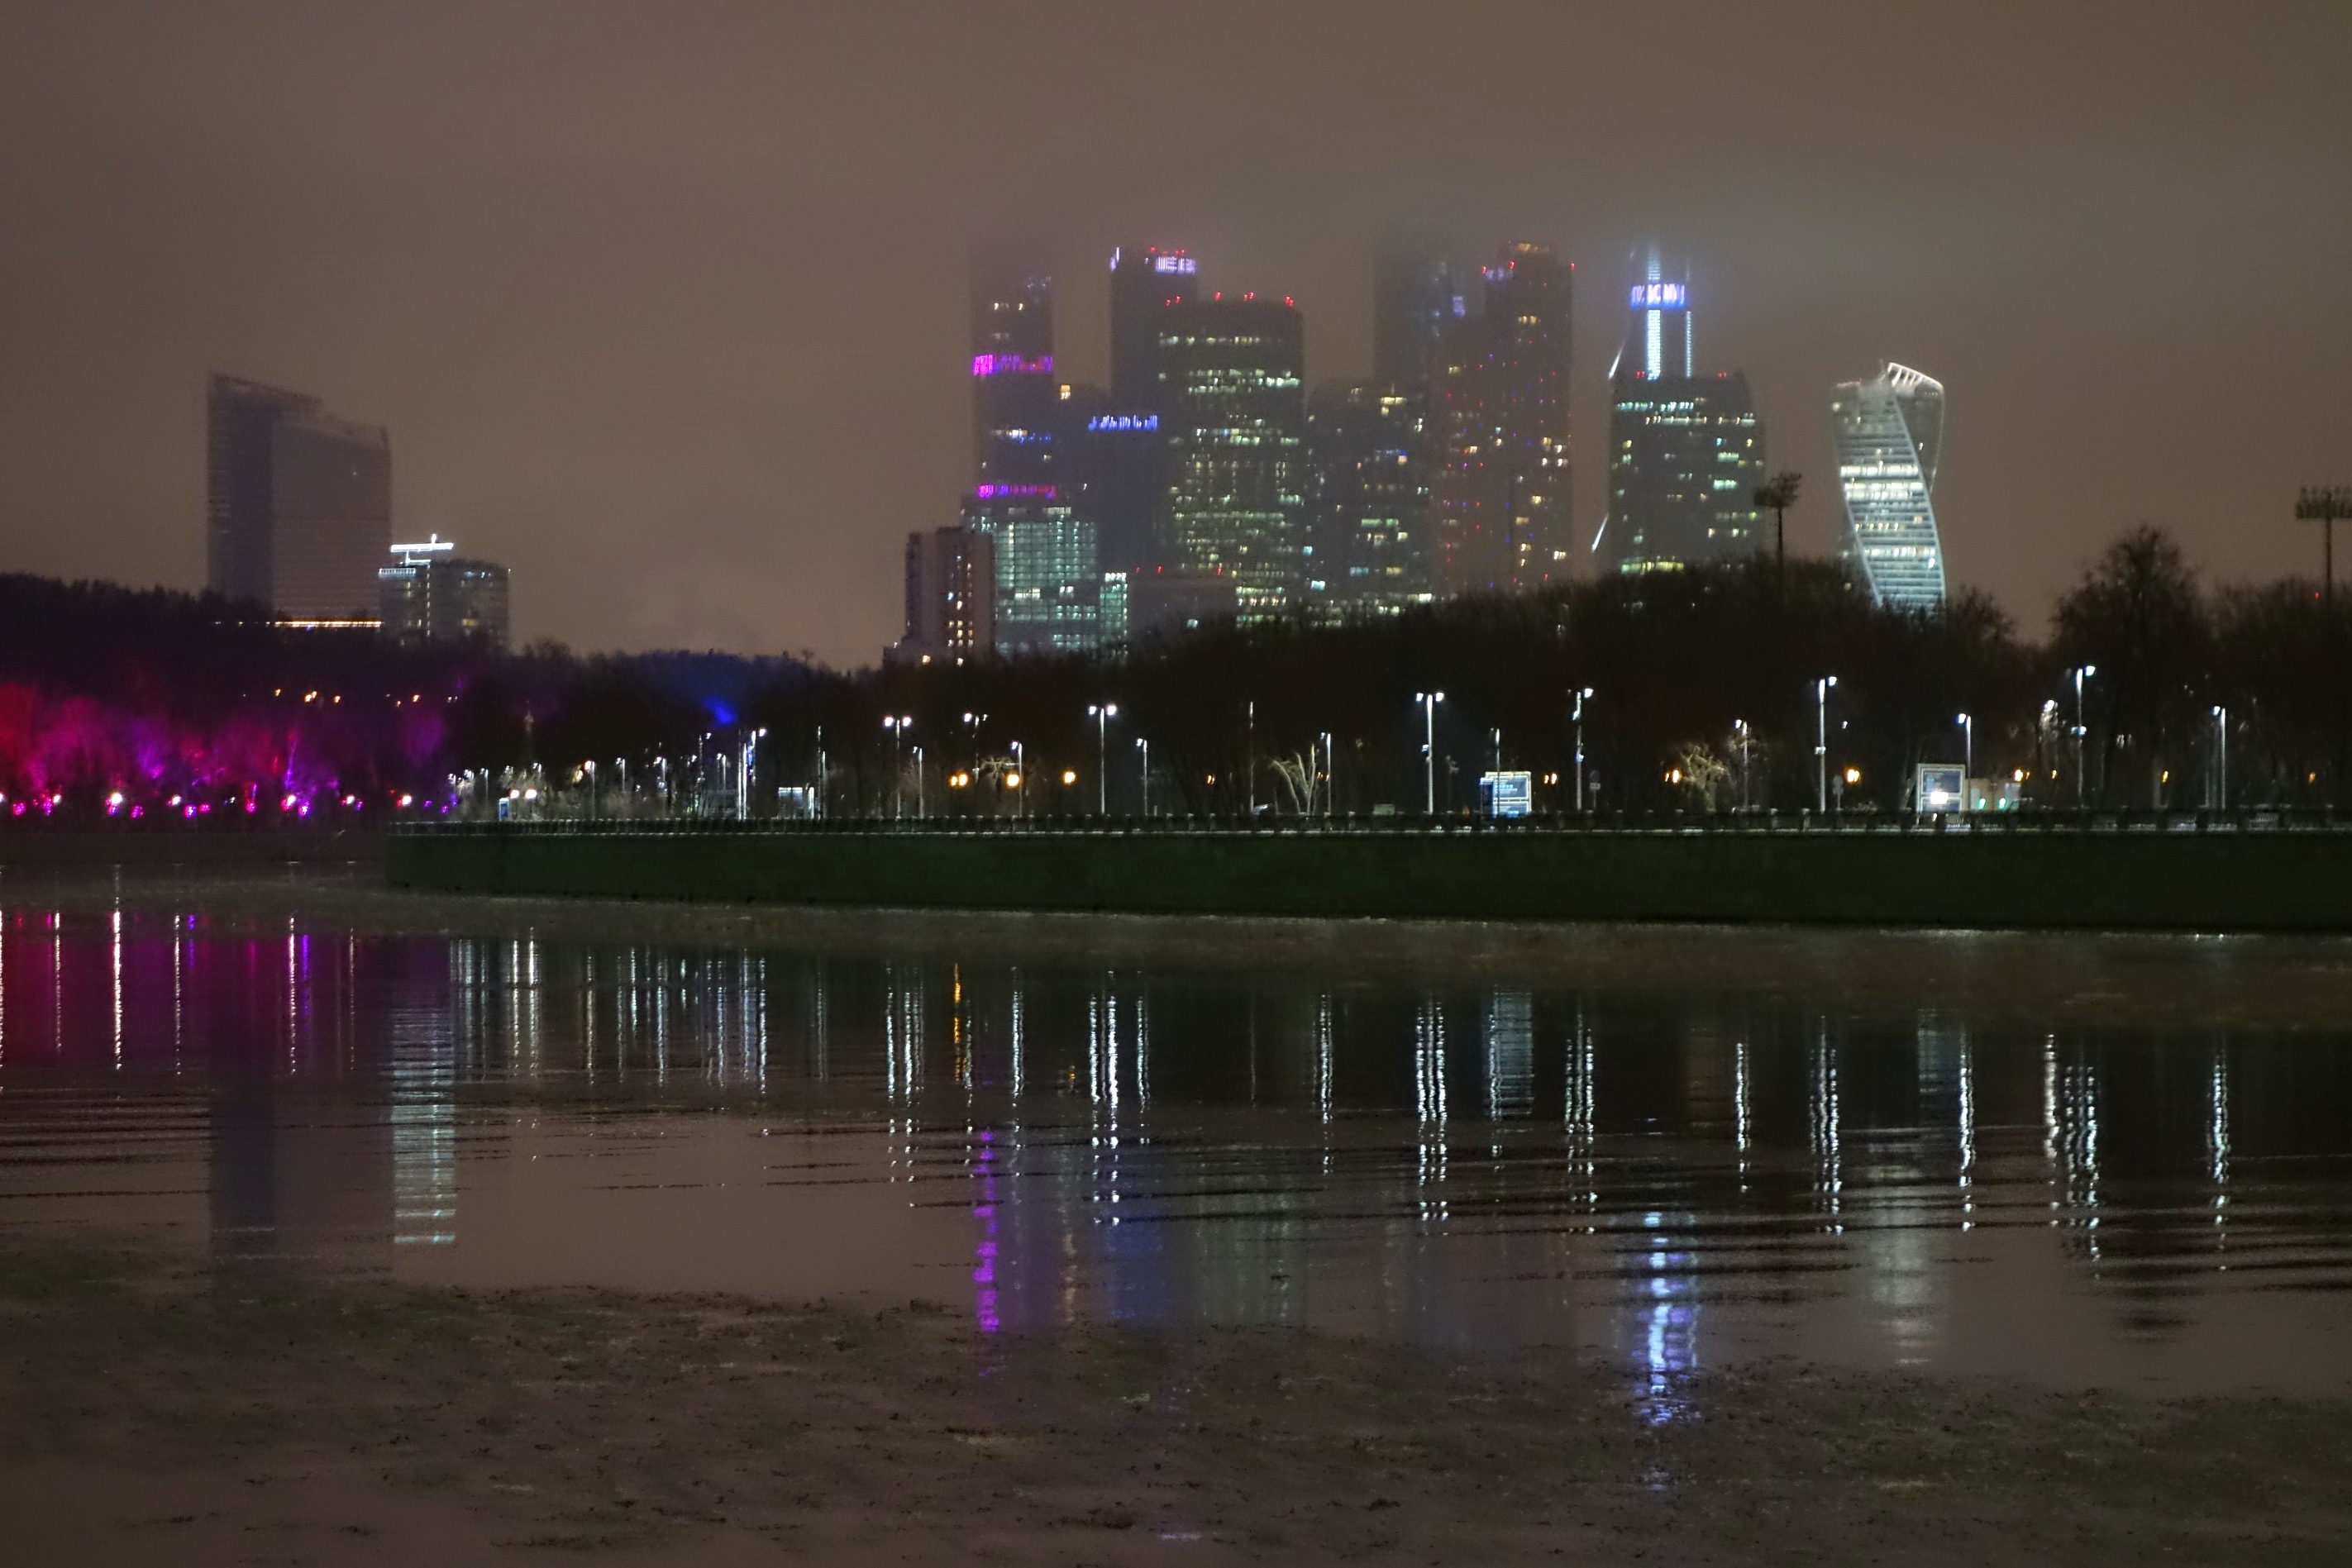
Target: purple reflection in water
984	1273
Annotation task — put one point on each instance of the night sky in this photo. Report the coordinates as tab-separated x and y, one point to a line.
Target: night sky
665	304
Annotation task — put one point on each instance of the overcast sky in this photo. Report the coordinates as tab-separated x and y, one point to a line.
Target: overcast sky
664	304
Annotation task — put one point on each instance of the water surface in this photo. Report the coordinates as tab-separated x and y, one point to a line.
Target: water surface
1688	1153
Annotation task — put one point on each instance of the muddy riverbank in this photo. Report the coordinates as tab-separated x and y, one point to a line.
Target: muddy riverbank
163	1410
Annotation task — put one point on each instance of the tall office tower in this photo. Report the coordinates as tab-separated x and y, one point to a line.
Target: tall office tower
298	505
1143	283
1415	300
430	594
1502	472
1235	371
950	597
1114	471
1012	386
1368	500
1889	432
1049	574
1686	451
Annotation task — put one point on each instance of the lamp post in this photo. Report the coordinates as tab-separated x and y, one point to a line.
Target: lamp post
1429	700
824	780
1578	715
743	775
1102	714
1020	781
1967	749
1144	747
2082	673
2222	757
2324	504
1822	743
1739	727
919	784
1330	772
589	768
896	724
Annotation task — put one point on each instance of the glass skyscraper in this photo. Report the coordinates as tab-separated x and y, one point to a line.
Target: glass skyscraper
1686	451
1234	420
1368	501
1502	479
297	504
1889	432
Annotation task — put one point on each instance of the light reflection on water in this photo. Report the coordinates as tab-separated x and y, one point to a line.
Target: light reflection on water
1669	1178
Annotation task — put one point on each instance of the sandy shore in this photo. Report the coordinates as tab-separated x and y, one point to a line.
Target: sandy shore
155	1412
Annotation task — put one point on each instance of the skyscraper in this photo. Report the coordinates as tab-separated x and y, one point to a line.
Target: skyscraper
298	505
1686	451
1012	385
1234	371
1499	405
1889	432
1049	574
1415	300
1143	283
1368	500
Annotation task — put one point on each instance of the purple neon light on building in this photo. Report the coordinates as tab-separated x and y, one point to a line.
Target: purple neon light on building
1012	365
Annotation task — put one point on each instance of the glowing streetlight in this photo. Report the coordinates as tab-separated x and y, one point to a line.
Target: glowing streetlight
1578	715
1967	748
1822	743
897	725
1144	747
2082	673
1429	700
2221	755
1102	714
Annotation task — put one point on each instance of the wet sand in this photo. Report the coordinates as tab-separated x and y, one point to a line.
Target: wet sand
161	1411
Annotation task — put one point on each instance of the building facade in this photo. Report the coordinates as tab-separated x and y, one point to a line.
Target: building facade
1049	573
1686	451
1503	472
430	594
951	596
1144	281
297	504
1367	501
1014	392
1889	433
1233	372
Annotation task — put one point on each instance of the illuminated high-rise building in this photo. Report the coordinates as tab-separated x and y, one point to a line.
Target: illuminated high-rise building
1234	416
1013	387
1367	501
1889	433
1502	471
1049	574
431	594
297	504
1686	451
1143	283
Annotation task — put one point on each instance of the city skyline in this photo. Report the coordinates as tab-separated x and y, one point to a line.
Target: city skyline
640	292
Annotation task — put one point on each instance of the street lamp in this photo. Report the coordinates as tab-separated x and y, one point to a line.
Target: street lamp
1578	715
2221	755
1967	749
1429	700
743	775
898	726
1330	773
1739	727
1020	781
1102	714
1822	743
1144	747
2082	673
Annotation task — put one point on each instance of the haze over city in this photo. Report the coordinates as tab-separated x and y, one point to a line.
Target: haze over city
668	310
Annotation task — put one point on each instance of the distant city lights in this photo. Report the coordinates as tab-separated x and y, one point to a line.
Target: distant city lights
1124	422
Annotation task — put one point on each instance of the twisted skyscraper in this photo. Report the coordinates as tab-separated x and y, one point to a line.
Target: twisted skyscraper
1888	431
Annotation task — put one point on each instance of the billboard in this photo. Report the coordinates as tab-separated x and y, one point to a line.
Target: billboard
1506	794
1941	787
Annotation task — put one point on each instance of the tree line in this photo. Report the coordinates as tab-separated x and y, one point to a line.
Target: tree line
1700	691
